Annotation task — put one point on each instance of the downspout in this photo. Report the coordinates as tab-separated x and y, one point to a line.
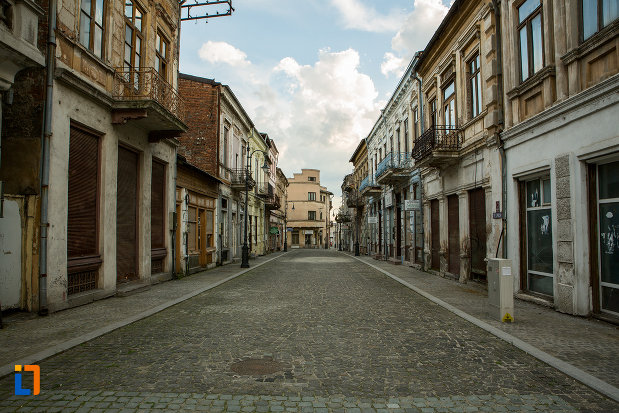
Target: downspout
421	123
496	6
47	134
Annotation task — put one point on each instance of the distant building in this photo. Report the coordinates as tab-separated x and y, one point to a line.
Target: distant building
308	211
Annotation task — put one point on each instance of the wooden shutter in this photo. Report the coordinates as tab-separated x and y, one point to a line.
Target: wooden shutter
157	205
82	225
126	215
453	225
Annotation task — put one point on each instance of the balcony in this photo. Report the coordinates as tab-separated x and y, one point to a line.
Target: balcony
264	190
354	200
437	146
369	187
239	178
348	184
395	168
145	98
343	217
272	202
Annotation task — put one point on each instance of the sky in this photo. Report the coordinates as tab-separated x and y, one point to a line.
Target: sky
312	74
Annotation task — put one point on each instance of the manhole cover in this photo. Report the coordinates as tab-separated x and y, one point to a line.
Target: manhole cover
256	367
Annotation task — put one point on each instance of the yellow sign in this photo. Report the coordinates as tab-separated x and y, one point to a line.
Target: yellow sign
508	317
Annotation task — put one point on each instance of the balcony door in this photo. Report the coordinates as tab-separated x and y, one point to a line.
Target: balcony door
449	106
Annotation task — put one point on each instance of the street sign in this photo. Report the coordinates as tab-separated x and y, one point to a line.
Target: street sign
412	205
372	220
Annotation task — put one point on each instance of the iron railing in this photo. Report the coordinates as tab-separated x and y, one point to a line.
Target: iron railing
239	176
348	183
446	138
367	182
148	84
393	160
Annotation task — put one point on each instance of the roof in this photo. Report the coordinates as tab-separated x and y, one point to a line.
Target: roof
199	79
359	147
181	160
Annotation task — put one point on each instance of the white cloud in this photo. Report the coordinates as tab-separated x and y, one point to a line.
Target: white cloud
358	16
222	52
413	35
393	64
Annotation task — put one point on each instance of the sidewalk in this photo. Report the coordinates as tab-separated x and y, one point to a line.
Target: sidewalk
27	338
585	343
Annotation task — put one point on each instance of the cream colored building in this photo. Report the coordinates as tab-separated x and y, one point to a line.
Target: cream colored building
308	211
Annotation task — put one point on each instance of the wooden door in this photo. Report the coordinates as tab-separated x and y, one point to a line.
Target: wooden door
398	227
435	244
477	222
453	226
126	215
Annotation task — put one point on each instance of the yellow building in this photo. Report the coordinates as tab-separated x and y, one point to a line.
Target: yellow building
256	224
308	211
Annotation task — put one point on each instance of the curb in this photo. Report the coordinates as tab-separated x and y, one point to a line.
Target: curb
585	378
59	348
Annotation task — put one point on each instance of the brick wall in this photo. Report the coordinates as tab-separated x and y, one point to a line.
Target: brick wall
199	144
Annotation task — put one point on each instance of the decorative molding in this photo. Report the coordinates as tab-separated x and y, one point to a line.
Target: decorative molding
532	82
607	34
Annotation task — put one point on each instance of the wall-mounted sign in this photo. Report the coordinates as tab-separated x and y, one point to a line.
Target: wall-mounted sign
372	220
412	205
308	232
388	199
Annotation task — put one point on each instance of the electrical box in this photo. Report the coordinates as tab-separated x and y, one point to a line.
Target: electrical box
500	289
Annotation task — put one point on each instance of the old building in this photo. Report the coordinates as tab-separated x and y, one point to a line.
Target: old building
562	149
457	146
216	143
22	86
308	211
278	217
107	174
257	232
196	206
354	199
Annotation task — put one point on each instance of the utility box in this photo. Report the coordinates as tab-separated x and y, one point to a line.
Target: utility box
500	289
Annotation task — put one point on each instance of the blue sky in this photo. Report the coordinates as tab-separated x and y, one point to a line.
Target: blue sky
312	74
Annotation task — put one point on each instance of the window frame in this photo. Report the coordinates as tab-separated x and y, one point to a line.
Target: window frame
600	20
474	85
92	25
135	33
309	215
526	24
447	101
162	39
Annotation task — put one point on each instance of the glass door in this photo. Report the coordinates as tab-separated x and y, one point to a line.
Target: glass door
608	209
540	257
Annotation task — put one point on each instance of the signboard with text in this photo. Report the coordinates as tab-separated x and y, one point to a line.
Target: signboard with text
372	220
412	205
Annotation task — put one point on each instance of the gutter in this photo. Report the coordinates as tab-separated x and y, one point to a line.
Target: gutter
47	135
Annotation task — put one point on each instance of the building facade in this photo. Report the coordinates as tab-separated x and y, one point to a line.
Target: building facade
308	210
562	149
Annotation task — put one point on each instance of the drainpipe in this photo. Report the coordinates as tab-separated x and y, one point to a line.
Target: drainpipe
496	6
44	174
421	123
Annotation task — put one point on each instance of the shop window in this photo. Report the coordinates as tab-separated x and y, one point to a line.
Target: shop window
597	14
540	257
530	38
608	207
192	229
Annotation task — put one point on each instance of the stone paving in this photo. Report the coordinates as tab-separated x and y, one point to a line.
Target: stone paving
587	343
343	334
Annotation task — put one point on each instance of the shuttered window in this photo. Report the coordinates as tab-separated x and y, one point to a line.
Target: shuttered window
83	257
82	227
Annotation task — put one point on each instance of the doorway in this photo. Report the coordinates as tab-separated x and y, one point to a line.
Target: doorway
477	229
126	215
435	242
453	225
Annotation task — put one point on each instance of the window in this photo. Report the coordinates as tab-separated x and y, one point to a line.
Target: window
433	112
192	229
295	238
311	215
415	122
321	215
311	196
597	14
133	38
161	55
406	135
225	151
449	105
311	178
91	26
539	236
530	38
474	86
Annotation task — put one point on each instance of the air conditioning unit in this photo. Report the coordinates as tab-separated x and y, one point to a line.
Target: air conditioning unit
500	289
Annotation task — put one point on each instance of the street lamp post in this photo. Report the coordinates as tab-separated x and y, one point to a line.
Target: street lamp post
286	227
265	167
357	223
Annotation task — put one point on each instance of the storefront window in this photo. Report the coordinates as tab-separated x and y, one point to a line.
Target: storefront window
540	259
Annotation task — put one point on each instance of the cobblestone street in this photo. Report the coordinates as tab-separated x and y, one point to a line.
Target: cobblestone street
313	330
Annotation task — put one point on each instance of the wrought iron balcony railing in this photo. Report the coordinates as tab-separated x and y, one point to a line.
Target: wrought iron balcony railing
393	160
148	84
444	138
240	175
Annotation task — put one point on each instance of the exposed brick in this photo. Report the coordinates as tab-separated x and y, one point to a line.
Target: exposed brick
199	143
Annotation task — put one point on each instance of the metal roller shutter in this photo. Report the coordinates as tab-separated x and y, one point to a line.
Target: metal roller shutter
126	215
477	218
453	225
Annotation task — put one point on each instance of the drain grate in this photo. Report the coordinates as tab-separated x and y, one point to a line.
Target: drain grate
256	367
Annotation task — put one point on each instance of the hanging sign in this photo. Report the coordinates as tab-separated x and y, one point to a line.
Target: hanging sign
388	199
